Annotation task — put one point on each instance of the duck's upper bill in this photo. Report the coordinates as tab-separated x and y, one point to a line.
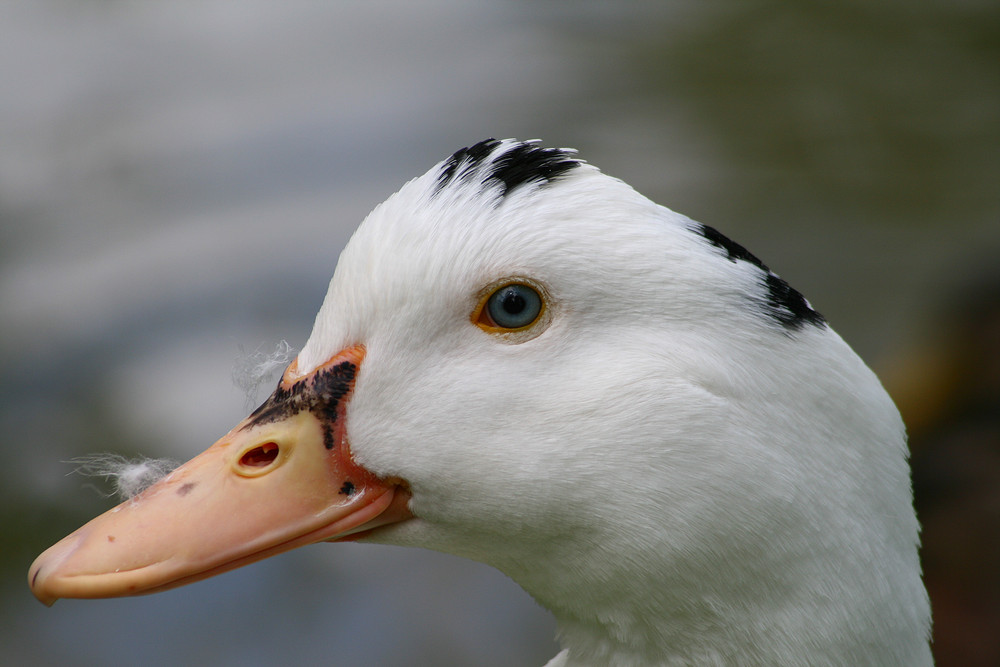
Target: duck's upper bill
281	479
523	361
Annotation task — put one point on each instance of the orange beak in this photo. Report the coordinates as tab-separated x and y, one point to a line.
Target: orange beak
283	478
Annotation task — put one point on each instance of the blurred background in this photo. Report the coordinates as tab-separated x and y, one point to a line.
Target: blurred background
177	180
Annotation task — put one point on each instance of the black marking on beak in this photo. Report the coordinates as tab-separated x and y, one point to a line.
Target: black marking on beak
319	393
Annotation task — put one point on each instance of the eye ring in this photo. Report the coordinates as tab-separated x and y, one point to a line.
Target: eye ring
514	309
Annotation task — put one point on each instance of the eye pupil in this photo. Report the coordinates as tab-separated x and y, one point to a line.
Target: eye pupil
513	302
514	306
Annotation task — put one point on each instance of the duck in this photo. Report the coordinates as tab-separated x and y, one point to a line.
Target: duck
523	361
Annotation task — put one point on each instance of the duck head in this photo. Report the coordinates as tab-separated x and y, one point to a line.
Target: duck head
523	361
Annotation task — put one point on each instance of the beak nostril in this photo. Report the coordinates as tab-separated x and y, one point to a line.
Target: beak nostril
260	456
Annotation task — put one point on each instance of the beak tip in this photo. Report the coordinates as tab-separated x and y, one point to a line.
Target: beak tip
44	573
38	588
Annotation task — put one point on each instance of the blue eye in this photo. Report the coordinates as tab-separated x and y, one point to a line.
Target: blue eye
514	306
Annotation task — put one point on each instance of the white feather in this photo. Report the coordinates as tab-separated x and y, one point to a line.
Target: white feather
252	369
129	477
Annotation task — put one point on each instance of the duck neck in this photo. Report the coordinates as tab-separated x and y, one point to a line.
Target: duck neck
745	611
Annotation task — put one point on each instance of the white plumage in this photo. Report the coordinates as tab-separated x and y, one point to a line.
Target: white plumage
678	458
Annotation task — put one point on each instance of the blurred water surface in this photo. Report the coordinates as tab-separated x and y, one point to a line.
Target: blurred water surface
177	180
